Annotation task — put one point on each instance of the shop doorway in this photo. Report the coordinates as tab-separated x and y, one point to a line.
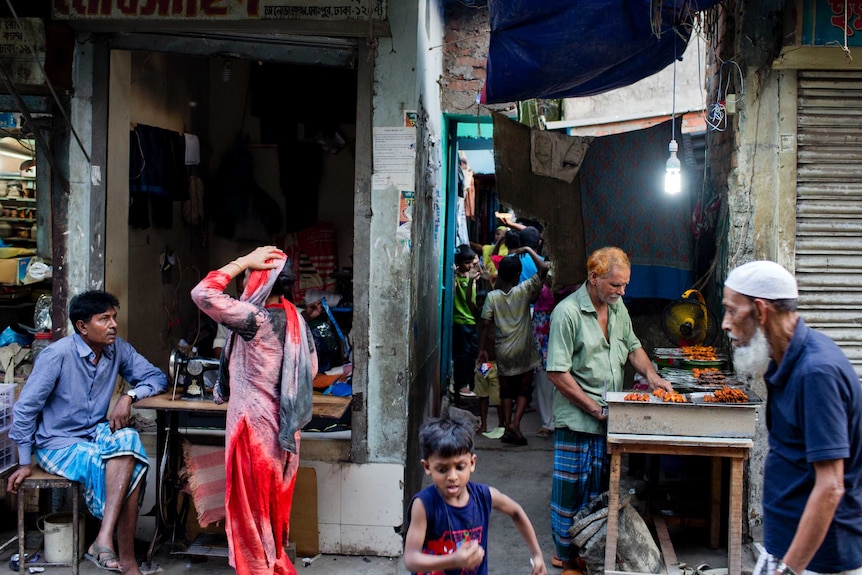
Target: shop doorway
274	146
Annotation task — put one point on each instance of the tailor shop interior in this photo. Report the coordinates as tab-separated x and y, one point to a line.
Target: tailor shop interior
224	155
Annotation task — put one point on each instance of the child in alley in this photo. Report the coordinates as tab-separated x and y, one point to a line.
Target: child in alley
448	521
506	328
465	339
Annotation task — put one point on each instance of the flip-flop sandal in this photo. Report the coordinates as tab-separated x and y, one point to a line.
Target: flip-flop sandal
100	561
556	561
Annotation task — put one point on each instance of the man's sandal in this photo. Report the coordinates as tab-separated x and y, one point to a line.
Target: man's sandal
101	556
580	564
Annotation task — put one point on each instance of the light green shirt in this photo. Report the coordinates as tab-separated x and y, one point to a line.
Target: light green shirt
576	344
462	314
514	346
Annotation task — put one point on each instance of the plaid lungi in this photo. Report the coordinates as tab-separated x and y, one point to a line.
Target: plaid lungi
580	474
86	462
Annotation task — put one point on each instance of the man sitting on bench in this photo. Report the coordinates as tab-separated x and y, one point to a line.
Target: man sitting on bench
61	420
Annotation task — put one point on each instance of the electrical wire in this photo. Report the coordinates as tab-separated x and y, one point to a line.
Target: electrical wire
50	86
716	117
673	98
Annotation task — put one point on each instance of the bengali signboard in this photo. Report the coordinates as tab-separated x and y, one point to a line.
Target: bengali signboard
22	49
221	9
824	22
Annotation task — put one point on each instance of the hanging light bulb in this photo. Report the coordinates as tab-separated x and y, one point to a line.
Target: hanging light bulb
672	175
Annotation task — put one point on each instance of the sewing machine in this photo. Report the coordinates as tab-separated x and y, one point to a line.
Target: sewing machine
187	371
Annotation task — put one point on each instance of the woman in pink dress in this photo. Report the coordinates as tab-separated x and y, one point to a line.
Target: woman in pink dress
272	362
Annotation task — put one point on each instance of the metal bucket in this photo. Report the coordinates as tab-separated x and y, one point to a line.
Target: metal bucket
57	529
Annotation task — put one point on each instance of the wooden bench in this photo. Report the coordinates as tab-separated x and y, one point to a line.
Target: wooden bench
41	479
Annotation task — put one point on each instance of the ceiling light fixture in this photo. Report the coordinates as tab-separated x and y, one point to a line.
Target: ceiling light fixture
12	148
17	155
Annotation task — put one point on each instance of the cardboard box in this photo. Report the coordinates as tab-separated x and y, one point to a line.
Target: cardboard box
304	527
10	120
13	271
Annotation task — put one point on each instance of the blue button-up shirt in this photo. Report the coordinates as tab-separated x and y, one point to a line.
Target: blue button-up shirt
66	395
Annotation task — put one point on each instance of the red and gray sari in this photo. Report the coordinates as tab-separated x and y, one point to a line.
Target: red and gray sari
272	364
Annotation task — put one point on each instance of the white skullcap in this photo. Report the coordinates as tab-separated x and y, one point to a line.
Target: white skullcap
763	279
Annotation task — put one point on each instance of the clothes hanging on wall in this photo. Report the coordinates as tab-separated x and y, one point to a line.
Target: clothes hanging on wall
157	176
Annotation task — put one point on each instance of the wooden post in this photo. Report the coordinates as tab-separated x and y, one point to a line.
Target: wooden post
613	511
715	507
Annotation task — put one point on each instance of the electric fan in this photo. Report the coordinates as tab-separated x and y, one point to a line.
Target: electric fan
687	321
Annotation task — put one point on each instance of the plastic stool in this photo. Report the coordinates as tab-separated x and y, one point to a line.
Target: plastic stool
39	478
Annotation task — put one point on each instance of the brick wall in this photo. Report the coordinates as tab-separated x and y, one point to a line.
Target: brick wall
465	49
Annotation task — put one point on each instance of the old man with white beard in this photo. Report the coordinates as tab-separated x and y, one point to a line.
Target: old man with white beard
812	492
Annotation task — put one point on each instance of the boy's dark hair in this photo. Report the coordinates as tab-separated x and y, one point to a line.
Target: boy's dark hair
509	268
530	237
513	240
445	437
283	285
463	254
85	305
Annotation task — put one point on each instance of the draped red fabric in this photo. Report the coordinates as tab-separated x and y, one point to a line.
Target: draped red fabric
260	492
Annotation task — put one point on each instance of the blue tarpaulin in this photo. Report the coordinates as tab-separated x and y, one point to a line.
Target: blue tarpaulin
570	48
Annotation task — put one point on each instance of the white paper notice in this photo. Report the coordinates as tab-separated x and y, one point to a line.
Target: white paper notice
394	158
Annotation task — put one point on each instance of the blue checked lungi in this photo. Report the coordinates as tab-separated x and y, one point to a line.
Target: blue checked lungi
580	465
86	463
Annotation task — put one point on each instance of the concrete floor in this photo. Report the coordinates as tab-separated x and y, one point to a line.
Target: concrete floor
523	473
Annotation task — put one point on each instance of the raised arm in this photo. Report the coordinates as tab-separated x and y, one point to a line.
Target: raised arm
209	294
541	265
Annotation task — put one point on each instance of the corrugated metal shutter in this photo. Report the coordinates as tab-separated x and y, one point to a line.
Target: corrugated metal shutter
829	206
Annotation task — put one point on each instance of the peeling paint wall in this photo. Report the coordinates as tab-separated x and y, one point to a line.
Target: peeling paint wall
745	163
464	50
402	338
79	229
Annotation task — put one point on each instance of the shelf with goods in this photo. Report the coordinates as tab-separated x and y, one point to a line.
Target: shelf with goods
20	212
17	209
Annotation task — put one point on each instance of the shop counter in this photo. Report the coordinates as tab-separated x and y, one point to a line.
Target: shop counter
168	413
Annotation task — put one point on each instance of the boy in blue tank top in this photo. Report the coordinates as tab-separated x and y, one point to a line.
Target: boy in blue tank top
447	530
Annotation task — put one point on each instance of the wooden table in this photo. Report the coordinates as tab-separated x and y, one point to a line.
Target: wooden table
322	405
735	449
168	412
